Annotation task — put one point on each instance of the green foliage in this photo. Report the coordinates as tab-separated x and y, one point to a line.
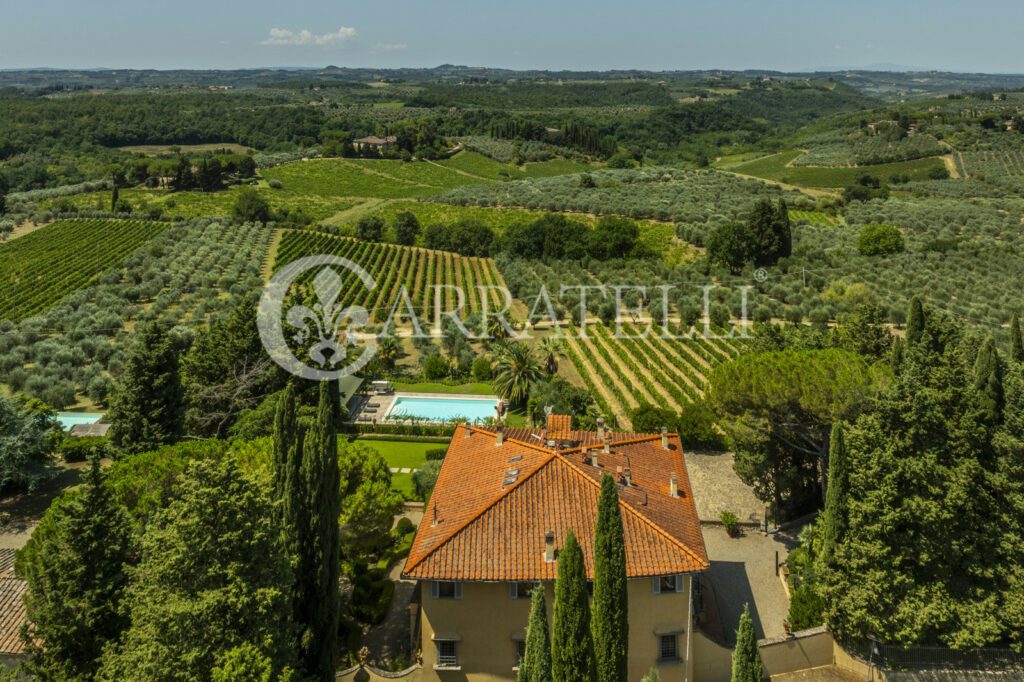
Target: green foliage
729	520
647	418
746	657
424	479
29	433
879	240
778	409
482	369
370	228
730	245
250	207
915	321
77	449
148	409
515	370
226	371
406	228
949	567
1016	345
610	619
651	675
572	642
436	453
48	264
368	502
696	427
191	601
837	496
536	663
75	565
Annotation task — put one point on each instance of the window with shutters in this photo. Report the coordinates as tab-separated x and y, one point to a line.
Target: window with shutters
445	589
666	584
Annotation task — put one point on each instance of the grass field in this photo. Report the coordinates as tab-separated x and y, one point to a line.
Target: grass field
774	168
193	204
367	178
484	166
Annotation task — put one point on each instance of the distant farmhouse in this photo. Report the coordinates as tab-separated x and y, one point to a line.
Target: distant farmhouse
505	500
374	141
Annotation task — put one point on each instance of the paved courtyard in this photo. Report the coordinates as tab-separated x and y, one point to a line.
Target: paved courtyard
743	572
716	487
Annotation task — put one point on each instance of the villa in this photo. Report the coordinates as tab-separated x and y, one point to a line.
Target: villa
505	500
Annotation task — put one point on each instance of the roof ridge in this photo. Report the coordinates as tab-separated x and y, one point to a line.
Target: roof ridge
643	517
480	512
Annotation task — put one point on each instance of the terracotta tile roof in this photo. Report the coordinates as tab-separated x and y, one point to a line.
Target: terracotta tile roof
559	426
373	139
12	606
492	505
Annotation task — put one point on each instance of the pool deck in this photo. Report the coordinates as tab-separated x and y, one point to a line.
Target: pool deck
383	404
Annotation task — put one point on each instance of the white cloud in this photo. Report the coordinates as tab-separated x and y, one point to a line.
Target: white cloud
282	36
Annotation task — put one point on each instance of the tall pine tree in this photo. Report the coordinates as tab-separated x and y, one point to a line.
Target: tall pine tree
746	657
536	663
285	435
75	567
148	408
1016	345
321	560
834	518
572	643
611	605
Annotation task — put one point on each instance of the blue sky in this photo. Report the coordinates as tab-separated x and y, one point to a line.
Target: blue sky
982	35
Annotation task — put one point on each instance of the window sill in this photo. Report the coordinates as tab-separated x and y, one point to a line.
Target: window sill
670	661
451	668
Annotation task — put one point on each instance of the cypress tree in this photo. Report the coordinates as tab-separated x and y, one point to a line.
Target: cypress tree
75	567
572	643
1016	345
896	354
746	659
148	407
113	199
988	382
285	433
321	598
915	321
611	605
833	520
785	231
536	663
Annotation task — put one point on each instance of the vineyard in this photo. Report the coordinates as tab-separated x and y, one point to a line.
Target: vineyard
44	266
777	167
622	373
523	150
393	267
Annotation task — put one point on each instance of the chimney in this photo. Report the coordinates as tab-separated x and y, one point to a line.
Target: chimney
607	445
627	473
500	438
549	546
469	432
673	484
600	428
664	438
594	462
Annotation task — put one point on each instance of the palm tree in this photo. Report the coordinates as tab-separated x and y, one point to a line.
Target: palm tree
516	370
550	350
496	330
387	351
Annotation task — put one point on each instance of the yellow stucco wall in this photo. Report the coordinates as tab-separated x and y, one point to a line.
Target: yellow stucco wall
487	621
711	661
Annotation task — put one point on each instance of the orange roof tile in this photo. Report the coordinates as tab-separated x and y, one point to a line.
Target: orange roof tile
492	505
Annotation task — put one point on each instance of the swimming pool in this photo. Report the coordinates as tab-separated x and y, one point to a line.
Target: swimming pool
443	409
69	419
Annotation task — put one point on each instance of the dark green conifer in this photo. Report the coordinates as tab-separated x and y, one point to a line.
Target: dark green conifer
1016	345
746	657
536	663
915	321
572	643
611	605
833	519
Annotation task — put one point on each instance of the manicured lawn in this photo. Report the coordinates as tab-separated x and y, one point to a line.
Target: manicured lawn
467	389
402	455
774	168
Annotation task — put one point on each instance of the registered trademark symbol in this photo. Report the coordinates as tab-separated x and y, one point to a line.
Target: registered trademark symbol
760	274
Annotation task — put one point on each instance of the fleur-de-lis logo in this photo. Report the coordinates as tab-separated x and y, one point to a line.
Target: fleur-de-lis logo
331	327
326	318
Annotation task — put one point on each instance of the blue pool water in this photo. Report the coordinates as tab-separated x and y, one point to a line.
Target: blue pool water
69	419
443	409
